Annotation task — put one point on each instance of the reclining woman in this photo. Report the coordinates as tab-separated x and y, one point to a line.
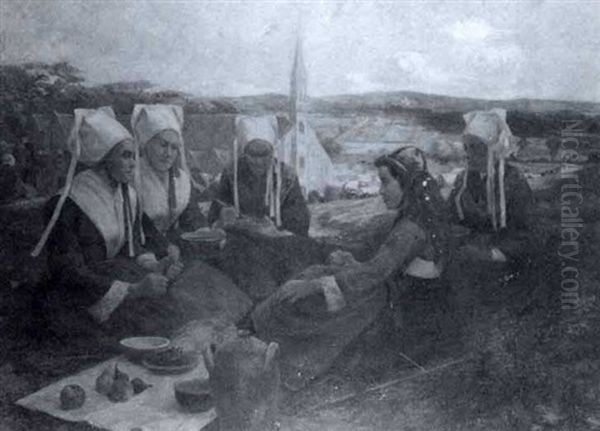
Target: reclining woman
315	319
99	278
170	207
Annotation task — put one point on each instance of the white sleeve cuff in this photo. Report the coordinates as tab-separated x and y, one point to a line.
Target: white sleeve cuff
102	309
497	255
147	261
333	295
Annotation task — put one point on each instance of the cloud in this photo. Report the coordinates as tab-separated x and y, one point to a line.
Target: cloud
482	49
362	82
411	62
470	30
421	69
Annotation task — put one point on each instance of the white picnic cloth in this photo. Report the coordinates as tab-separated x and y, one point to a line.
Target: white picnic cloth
155	409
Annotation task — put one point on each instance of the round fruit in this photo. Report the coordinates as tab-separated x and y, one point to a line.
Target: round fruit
72	397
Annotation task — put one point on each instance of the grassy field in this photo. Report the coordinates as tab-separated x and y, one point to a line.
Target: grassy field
523	362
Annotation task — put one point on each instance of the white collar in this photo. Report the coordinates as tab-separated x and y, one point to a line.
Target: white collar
155	195
103	204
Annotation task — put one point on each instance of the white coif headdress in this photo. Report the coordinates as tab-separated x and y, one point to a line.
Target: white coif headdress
492	130
149	120
146	122
95	132
265	129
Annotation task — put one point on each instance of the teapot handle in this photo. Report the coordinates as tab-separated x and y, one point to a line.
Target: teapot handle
209	358
271	355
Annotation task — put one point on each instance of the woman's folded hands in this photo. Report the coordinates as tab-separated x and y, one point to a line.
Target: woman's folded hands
341	258
169	266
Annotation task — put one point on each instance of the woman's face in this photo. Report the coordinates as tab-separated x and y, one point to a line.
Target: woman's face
259	156
476	153
120	162
162	150
391	191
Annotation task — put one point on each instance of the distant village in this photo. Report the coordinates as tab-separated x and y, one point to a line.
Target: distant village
329	141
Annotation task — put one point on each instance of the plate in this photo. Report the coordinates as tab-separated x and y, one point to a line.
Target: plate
252	223
204	235
170	369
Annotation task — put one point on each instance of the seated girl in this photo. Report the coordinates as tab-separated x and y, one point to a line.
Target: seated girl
316	318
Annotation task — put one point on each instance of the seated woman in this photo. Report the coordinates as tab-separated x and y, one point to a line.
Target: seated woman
170	207
261	187
99	281
315	319
494	201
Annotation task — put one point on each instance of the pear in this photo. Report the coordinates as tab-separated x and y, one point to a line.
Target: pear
120	374
105	381
121	389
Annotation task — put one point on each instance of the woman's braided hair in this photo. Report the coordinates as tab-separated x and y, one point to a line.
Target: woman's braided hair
422	202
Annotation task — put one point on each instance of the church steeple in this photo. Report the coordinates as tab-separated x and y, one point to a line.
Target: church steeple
298	84
298	104
302	150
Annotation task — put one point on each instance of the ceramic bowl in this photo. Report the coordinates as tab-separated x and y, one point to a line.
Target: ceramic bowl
193	395
136	348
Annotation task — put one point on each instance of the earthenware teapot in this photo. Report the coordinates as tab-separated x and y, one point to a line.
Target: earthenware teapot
244	380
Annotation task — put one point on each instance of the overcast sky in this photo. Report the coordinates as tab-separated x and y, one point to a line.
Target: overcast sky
483	49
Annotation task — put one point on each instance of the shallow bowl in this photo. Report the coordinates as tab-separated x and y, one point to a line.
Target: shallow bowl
193	395
136	348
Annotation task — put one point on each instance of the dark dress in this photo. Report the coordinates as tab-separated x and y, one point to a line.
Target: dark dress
189	220
515	240
295	216
80	274
201	290
310	336
471	271
10	183
259	264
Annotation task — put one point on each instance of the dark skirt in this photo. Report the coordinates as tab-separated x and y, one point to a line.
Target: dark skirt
200	292
68	317
259	264
418	320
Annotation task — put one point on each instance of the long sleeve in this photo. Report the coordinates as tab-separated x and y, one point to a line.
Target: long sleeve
224	194
406	241
474	203
67	258
517	240
295	216
156	241
189	220
192	218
